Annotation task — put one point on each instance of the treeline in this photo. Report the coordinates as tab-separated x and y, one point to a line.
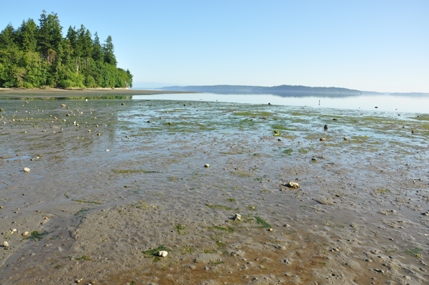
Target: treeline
38	56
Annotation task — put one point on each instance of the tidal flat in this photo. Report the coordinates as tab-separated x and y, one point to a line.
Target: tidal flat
110	183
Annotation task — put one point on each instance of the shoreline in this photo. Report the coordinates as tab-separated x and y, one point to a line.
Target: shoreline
56	92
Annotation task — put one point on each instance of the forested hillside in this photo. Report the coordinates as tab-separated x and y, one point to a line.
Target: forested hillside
38	56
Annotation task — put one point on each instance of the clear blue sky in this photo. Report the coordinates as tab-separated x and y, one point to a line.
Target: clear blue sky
377	45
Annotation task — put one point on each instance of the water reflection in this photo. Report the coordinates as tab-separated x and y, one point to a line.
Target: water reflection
381	103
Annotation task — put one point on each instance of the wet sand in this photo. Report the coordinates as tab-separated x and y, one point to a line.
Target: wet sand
111	180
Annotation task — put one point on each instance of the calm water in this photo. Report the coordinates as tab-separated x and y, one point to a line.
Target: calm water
384	103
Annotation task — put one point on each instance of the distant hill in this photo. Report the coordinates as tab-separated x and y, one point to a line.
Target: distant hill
282	90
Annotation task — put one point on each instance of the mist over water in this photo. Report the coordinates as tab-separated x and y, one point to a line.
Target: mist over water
381	103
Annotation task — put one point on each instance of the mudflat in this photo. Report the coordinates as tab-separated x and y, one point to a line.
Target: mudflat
92	191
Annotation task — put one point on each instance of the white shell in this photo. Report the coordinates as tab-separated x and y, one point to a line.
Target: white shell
163	253
26	169
293	185
237	217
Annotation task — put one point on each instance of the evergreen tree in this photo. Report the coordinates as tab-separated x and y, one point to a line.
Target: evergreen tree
108	50
35	56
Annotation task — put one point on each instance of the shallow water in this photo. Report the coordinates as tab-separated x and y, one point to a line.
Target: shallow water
112	205
384	103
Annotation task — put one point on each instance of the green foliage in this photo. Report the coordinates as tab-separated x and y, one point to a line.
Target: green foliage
262	222
36	236
37	56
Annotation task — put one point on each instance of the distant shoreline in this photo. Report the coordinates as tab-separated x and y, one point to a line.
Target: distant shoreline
88	92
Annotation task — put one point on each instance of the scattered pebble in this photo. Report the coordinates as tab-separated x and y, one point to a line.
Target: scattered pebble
322	139
26	169
162	253
206	165
291	184
237	217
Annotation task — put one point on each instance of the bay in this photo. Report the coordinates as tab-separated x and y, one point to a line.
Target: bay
381	103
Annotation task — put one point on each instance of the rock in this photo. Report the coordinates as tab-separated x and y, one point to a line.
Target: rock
5	244
206	165
346	138
162	253
237	217
63	105
24	234
291	184
12	231
322	139
26	169
122	104
325	127
325	201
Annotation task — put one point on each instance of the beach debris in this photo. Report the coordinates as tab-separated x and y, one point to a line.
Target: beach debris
425	213
6	245
276	133
325	127
322	139
26	169
237	217
206	165
107	150
163	253
292	184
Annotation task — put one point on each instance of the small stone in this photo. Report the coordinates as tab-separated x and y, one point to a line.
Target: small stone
346	138
270	229
63	105
322	139
6	244
107	150
24	234
325	127
26	169
162	253
292	184
1	207
122	104
237	217
206	165
12	231
279	140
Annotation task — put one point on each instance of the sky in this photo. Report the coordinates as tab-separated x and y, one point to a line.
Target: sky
370	45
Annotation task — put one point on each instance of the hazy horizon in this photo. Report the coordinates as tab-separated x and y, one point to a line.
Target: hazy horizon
365	45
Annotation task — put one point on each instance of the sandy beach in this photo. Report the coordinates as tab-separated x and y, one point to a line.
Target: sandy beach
91	192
